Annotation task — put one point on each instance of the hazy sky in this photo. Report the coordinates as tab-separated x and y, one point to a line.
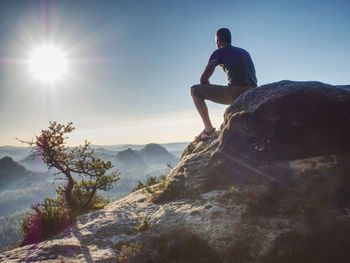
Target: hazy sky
132	63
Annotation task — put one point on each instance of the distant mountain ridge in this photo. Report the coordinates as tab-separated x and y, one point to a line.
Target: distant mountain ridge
11	171
15	152
150	154
20	188
32	156
172	147
24	156
34	162
153	148
129	157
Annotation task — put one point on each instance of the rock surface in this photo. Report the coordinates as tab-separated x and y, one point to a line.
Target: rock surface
274	187
285	120
289	120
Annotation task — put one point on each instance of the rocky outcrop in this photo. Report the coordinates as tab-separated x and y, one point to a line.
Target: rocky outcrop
274	187
285	120
288	120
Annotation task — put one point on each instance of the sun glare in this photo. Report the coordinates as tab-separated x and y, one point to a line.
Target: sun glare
48	63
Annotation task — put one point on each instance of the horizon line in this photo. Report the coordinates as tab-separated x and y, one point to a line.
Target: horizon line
122	144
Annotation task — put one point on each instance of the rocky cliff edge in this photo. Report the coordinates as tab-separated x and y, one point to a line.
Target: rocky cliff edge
273	187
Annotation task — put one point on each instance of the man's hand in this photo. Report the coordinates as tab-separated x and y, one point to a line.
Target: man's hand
208	71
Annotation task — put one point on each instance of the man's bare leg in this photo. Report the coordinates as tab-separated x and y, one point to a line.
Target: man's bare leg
203	112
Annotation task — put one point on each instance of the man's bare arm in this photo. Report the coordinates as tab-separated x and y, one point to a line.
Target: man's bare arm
208	71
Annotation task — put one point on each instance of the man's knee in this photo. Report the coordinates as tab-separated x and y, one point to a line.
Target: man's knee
195	91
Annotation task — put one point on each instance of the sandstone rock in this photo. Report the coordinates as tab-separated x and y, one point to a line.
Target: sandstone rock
285	120
288	120
274	187
304	221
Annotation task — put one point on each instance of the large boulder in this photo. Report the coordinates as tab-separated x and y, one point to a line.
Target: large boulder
288	120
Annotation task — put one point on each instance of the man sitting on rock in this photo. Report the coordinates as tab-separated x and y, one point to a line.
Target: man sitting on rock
240	71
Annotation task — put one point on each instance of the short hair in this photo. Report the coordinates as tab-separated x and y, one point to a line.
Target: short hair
224	35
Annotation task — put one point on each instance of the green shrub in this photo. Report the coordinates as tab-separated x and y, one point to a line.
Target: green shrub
48	219
144	225
81	195
129	253
139	186
150	181
153	180
53	215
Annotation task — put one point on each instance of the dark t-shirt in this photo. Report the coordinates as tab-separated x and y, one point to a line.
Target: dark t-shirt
237	64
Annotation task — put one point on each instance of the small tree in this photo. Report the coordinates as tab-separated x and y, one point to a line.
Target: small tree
51	146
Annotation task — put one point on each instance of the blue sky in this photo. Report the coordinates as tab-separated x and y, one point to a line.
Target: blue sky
133	62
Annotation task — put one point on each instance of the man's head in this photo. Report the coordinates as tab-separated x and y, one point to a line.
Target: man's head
223	37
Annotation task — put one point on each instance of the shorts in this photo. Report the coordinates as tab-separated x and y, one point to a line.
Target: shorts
218	93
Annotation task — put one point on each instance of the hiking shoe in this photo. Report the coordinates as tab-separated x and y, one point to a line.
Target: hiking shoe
205	135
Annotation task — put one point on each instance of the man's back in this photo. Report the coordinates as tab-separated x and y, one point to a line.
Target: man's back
237	64
240	72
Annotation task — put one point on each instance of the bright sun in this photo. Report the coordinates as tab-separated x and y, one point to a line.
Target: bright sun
48	63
